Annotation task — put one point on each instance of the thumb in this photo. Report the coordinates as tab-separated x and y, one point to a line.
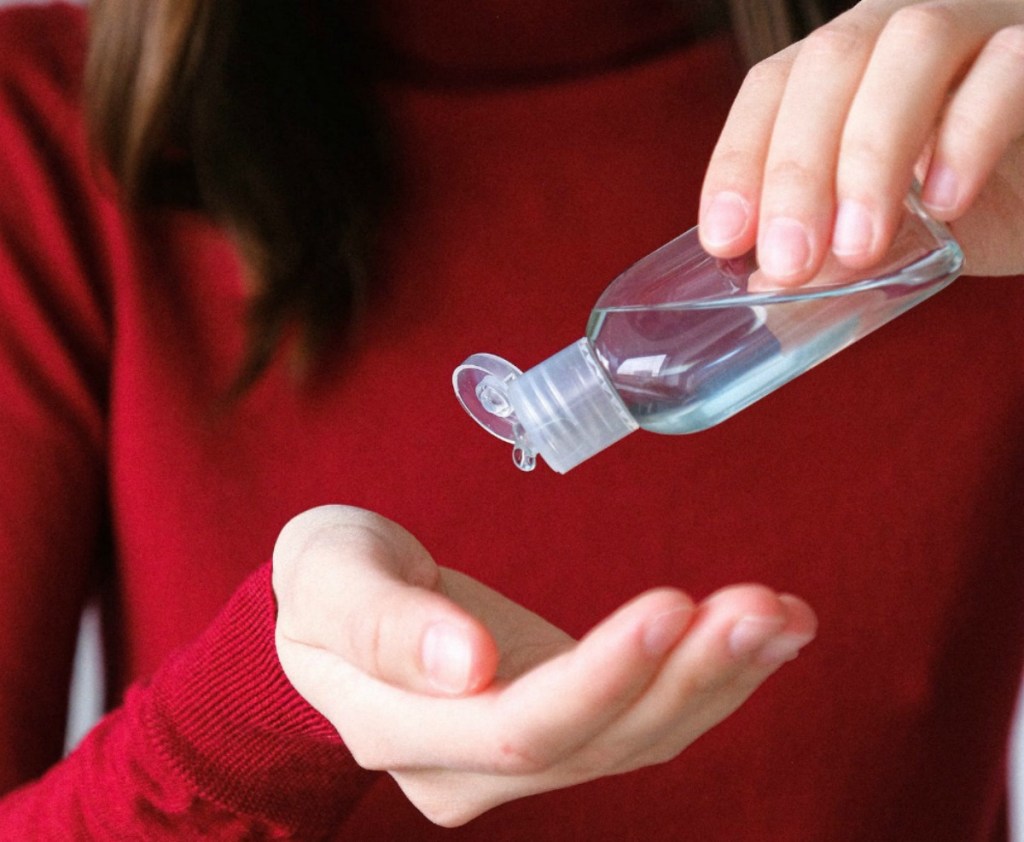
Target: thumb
361	587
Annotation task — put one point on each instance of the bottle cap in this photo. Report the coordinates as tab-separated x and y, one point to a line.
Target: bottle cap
564	409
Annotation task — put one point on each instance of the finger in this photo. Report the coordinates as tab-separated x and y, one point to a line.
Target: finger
567	700
363	588
733	628
523	638
984	116
430	789
799	627
732	184
797	198
517	728
739	637
919	54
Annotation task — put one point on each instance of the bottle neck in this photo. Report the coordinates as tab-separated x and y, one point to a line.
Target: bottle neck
567	410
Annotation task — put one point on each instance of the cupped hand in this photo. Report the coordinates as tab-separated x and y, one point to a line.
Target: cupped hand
470	700
825	139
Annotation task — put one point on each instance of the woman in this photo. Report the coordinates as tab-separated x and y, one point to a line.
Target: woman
176	391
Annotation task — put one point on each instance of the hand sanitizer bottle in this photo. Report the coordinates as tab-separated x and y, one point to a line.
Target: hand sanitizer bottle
679	342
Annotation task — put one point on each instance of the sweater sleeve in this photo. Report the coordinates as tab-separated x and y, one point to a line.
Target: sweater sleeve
217	746
54	347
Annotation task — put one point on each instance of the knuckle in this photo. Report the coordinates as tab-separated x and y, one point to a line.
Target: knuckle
734	164
299	536
864	153
767	74
922	25
833	42
787	172
298	531
1009	41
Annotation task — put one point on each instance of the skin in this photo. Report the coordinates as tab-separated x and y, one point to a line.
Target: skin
825	138
469	700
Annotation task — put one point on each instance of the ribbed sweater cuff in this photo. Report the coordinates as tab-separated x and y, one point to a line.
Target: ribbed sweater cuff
226	718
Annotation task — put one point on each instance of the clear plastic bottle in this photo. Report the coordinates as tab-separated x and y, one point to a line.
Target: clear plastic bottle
677	343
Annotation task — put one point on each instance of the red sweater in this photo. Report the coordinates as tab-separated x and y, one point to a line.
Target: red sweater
884	486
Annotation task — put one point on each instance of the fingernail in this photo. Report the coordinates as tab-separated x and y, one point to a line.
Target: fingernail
447	658
664	630
940	189
785	248
782	648
751	633
725	218
854	230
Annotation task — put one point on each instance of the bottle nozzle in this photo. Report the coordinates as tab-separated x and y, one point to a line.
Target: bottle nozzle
564	409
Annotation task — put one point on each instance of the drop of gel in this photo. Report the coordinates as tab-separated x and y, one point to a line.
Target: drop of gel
522	456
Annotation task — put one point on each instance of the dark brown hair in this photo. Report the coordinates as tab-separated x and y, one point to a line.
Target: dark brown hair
764	27
254	113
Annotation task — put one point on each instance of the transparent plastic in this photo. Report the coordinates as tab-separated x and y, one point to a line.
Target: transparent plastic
678	343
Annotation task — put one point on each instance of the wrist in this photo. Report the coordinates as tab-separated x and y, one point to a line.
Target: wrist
224	716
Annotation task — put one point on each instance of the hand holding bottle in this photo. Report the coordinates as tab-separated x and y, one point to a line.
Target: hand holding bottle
469	700
825	137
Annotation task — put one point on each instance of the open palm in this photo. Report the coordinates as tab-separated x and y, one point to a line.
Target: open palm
470	700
